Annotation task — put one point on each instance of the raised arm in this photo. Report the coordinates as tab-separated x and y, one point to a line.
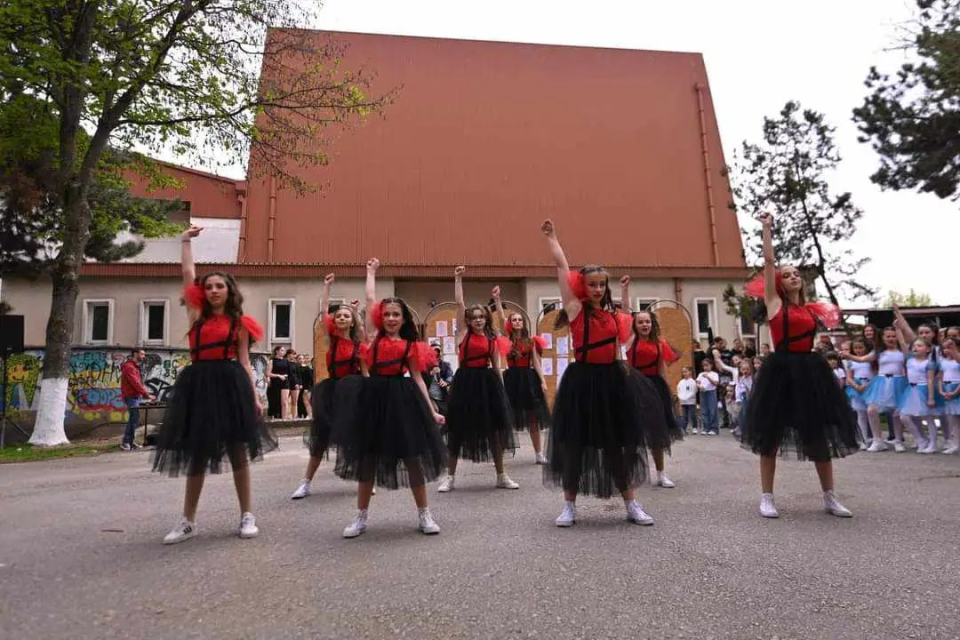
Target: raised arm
458	296
503	316
770	296
570	302
901	323
625	304
325	301
355	305
371	289
186	255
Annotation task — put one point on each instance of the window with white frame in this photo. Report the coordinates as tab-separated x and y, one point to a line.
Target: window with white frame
706	316
644	303
281	320
98	321
550	304
154	321
748	328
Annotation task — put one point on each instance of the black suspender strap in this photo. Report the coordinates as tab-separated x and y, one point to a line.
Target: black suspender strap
229	341
587	346
488	356
633	355
787	338
402	361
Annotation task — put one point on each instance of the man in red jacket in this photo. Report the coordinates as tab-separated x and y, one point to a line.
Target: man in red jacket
132	390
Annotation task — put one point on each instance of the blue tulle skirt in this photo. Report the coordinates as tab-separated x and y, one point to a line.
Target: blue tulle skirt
885	391
913	401
951	407
857	402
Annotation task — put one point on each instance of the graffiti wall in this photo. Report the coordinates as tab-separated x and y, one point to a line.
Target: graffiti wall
94	388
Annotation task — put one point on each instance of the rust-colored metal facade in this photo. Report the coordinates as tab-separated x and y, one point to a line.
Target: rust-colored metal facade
210	196
485	139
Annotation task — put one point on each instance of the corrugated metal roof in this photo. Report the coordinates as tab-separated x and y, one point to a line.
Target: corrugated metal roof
486	139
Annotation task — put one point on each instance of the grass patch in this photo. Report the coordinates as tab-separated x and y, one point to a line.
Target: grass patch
29	453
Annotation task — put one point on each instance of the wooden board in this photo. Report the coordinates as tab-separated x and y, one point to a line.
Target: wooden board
544	328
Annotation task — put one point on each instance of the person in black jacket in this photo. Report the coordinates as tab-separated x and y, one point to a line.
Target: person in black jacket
305	371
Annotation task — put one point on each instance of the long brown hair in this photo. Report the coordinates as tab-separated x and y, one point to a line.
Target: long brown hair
232	308
519	339
606	302
355	327
654	327
488	329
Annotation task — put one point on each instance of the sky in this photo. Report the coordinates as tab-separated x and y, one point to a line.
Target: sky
759	54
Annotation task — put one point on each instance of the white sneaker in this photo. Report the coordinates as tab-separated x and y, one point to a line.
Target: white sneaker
637	515
446	485
183	531
863	446
930	448
426	522
832	506
569	515
541	459
248	526
664	481
695	431
952	449
504	482
767	507
898	446
302	491
358	526
877	446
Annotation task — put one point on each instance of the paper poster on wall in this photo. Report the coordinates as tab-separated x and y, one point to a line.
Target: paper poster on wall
453	326
547	365
562	367
436	342
451	360
441	328
623	352
563	346
449	345
548	340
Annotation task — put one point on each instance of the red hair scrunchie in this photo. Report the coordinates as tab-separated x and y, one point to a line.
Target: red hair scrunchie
376	316
578	285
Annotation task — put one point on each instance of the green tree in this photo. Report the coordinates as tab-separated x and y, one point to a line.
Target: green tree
912	299
785	174
912	118
180	75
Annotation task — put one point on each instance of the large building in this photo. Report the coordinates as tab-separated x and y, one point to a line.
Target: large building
482	142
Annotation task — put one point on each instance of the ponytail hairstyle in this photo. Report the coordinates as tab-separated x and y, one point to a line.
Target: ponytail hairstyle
606	302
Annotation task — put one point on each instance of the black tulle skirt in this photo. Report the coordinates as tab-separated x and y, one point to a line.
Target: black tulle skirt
797	408
674	430
527	401
211	415
478	415
604	417
317	438
384	432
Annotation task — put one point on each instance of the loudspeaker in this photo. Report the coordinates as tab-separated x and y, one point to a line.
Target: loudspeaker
11	334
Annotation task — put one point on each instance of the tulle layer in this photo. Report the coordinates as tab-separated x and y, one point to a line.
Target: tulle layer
674	428
211	415
317	438
857	402
604	417
951	407
797	408
526	397
913	401
478	415
884	392
384	432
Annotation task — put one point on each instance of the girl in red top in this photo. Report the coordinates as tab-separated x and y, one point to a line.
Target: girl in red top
796	404
385	428
479	420
648	354
523	381
603	413
343	333
214	410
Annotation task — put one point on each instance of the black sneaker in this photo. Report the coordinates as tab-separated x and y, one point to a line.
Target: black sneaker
134	445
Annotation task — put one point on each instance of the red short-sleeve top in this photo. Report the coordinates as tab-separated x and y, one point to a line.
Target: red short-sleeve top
521	352
476	351
645	356
343	357
595	340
